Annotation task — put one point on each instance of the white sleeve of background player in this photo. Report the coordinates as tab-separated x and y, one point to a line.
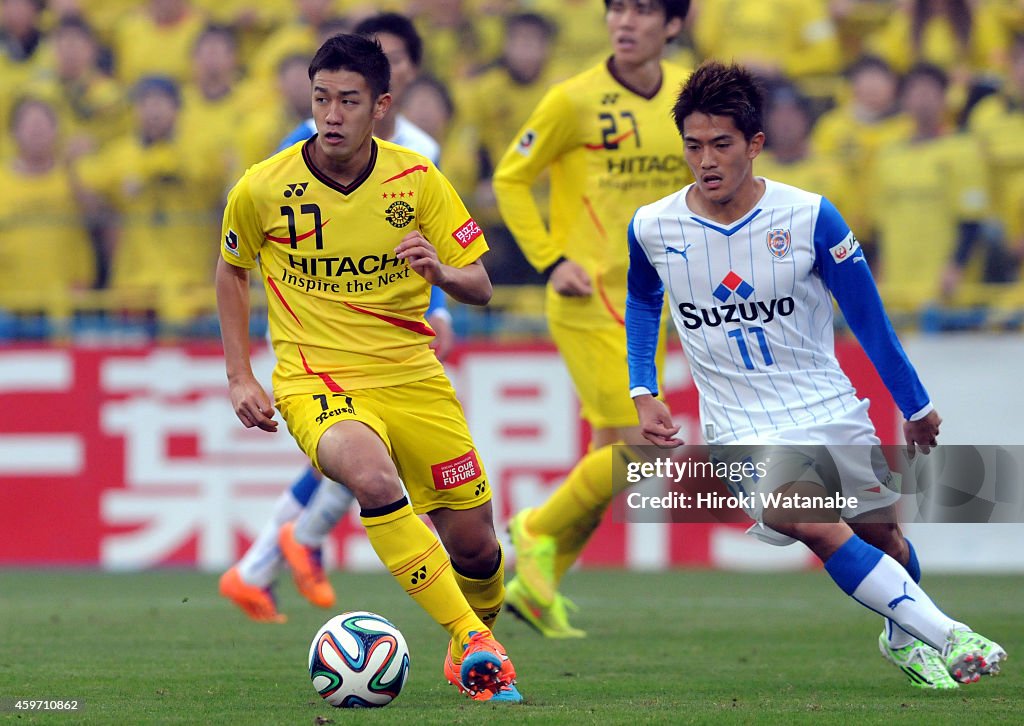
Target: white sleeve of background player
842	265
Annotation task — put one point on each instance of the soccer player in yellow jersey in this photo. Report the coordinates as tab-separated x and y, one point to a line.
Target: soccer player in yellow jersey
930	202
608	139
349	234
787	154
45	250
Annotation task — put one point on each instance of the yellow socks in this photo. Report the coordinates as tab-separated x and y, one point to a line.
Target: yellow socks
417	560
585	492
574	511
485	595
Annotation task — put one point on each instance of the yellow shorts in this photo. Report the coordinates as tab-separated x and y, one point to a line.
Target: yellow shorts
423	426
596	359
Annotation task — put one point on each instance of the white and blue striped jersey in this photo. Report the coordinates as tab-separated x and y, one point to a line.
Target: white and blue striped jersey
753	306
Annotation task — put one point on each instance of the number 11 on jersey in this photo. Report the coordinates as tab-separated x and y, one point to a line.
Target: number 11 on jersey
762	342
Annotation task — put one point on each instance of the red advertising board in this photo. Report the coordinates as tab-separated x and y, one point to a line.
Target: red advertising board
129	458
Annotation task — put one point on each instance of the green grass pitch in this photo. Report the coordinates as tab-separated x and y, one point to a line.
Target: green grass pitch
679	647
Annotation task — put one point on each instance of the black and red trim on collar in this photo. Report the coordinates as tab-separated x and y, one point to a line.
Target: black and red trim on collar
618	79
345	189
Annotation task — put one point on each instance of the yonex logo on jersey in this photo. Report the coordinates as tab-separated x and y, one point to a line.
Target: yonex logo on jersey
231	242
609	99
733	283
295	189
468	232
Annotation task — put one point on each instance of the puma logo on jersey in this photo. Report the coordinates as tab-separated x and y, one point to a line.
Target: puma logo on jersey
681	253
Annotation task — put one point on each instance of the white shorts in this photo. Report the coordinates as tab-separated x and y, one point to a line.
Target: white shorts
843	456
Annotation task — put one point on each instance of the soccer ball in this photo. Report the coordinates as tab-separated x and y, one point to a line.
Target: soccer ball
358	659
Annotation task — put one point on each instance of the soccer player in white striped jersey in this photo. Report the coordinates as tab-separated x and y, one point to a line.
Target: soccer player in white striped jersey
751	267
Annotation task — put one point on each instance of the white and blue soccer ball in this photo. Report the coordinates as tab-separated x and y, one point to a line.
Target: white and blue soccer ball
358	660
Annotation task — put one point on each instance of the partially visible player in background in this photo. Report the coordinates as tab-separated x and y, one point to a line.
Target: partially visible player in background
771	389
348	270
305	514
607	137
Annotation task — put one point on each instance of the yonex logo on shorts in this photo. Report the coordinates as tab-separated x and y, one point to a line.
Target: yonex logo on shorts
733	283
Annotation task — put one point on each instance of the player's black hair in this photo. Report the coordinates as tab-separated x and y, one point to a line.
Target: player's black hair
720	90
397	25
426	80
672	8
357	54
785	92
868	62
74	22
927	70
215	30
534	20
157	84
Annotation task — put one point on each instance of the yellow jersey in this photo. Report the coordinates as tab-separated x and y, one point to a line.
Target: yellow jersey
610	151
143	48
823	174
922	192
795	37
45	249
997	123
168	196
345	313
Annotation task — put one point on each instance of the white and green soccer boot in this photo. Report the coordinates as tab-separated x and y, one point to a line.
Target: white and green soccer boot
922	664
969	656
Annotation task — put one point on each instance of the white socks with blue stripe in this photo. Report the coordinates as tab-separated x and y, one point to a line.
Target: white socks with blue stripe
877	581
328	505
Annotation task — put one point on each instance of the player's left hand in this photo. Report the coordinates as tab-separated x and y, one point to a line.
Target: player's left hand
422	257
923	433
656	422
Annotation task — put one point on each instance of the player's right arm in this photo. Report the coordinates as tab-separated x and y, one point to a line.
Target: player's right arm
550	132
644	297
242	237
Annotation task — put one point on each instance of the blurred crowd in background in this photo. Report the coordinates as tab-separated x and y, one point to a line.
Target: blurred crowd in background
126	122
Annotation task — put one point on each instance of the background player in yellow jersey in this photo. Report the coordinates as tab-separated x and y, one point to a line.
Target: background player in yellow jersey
350	233
930	203
608	139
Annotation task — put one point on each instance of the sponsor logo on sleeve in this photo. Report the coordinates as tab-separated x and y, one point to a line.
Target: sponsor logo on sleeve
456	472
845	249
468	232
231	242
525	145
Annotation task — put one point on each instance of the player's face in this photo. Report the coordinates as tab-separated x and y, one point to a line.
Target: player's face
403	71
720	159
786	125
35	132
638	30
924	100
344	110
